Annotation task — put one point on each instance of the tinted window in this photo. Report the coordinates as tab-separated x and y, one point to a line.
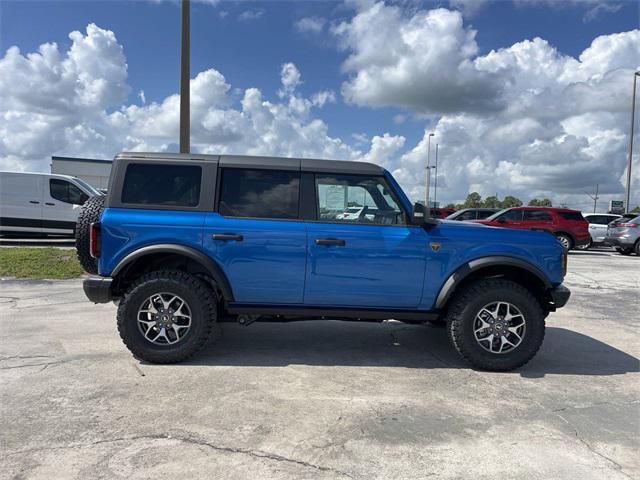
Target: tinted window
157	184
468	215
572	216
511	216
259	193
537	215
482	214
357	199
66	192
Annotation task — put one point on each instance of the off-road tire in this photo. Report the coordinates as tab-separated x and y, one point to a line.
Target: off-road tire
466	305
204	314
562	238
89	213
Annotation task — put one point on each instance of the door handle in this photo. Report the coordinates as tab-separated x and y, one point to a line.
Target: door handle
227	237
34	202
330	241
50	204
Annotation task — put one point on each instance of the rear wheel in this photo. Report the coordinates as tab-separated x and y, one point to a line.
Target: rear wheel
565	240
167	316
496	324
624	251
637	247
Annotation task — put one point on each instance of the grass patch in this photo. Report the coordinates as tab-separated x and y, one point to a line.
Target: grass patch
23	262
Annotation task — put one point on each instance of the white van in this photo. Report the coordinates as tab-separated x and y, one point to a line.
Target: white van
41	203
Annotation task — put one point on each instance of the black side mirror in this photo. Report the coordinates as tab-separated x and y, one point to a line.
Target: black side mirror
419	215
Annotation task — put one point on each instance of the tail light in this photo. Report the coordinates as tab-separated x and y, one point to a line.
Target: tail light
564	263
94	240
627	225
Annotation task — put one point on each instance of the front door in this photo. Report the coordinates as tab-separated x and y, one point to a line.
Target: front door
256	236
362	253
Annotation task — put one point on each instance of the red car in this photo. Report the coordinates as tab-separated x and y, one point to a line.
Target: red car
569	226
441	212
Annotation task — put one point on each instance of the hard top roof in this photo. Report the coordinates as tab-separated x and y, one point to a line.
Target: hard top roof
271	163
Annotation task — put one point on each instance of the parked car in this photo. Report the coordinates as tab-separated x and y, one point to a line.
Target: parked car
355	213
441	212
41	203
472	214
624	235
598	223
182	242
568	226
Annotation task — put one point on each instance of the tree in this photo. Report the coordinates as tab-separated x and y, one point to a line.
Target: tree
474	200
491	202
636	210
510	201
450	205
536	202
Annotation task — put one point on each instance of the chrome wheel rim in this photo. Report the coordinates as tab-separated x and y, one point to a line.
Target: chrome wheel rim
164	318
499	327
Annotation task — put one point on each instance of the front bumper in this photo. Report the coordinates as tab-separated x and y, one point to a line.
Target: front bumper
559	296
98	289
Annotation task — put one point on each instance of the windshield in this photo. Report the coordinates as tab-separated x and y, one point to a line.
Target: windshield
88	187
497	214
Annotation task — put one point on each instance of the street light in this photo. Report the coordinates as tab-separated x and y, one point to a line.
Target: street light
185	67
633	111
428	174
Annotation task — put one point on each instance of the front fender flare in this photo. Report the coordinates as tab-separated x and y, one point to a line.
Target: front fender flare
211	266
471	266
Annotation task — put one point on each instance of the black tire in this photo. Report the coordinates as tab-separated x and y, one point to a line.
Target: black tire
625	251
468	303
637	249
202	305
566	240
89	213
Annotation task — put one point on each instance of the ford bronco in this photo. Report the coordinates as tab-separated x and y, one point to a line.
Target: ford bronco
183	242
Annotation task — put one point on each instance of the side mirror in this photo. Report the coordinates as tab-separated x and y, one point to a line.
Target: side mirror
419	215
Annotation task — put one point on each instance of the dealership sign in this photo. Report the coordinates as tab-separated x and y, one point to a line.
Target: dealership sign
616	206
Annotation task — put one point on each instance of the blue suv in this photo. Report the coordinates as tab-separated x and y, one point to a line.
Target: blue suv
184	242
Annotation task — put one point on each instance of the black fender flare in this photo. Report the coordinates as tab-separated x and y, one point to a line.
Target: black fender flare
209	264
471	266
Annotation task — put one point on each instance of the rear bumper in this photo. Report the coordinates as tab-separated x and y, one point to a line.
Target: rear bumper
98	289
559	296
618	242
581	242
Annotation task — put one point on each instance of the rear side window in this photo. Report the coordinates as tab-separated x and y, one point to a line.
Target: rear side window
158	184
572	216
259	193
536	215
468	215
66	192
511	216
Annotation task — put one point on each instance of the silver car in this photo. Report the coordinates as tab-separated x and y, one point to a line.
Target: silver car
624	235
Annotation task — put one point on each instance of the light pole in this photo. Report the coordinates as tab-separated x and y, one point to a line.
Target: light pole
633	114
428	174
435	189
185	67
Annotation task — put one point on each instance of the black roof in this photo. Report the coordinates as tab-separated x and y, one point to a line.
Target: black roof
279	163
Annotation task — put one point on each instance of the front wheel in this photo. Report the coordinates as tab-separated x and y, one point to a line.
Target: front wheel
167	316
496	324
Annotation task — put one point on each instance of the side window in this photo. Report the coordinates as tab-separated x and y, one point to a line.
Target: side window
161	184
482	214
66	192
259	193
511	216
357	199
468	215
537	215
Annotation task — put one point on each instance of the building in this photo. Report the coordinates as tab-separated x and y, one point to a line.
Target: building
93	171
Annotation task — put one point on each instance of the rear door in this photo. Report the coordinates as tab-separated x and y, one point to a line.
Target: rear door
256	234
62	202
598	227
21	202
537	220
509	219
374	260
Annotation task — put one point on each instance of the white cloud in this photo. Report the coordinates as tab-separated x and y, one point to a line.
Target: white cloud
249	15
468	7
313	25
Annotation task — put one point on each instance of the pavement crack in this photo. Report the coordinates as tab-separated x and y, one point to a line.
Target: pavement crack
23	357
189	439
591	405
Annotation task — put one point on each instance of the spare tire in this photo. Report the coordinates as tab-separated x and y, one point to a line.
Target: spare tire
89	213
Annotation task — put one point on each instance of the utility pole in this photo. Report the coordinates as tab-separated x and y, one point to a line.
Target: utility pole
428	174
185	67
633	112
435	190
594	198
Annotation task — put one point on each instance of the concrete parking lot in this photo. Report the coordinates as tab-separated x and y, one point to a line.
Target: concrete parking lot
321	399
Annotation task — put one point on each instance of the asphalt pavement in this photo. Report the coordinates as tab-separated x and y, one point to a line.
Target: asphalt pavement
321	400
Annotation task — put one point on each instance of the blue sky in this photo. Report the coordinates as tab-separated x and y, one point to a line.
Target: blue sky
248	43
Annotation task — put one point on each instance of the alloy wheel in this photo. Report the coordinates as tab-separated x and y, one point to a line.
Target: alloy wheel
499	327
164	318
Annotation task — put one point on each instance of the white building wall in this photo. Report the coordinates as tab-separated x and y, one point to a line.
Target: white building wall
95	172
